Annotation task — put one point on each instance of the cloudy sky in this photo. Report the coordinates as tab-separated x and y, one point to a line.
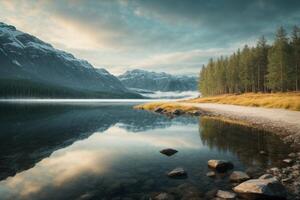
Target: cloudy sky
176	36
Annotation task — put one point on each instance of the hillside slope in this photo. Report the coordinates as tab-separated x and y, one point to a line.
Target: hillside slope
26	60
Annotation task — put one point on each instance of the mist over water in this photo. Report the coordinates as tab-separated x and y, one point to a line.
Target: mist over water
172	95
150	97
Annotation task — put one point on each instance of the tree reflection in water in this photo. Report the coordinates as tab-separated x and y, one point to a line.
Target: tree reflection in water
245	142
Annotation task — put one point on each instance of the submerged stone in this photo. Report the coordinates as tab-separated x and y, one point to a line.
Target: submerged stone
164	196
211	174
188	191
238	176
225	194
177	173
168	151
220	165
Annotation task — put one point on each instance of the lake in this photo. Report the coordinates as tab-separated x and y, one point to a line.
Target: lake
110	151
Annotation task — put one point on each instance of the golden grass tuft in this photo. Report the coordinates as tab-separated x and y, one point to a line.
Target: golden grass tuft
167	106
290	100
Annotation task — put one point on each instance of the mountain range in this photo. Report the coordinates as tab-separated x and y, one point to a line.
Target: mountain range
31	67
142	79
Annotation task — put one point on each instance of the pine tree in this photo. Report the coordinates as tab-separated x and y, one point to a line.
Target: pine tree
295	44
279	58
262	63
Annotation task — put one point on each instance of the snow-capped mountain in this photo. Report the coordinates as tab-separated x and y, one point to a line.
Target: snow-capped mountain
154	81
25	59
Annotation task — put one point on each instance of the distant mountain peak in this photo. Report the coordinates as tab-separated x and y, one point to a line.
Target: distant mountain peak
157	81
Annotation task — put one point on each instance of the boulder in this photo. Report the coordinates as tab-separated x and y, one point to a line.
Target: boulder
220	165
177	173
225	194
238	176
261	189
168	151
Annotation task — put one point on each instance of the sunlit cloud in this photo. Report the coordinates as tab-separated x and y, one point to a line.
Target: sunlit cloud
120	35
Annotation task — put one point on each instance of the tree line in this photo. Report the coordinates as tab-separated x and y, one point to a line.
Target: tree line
263	68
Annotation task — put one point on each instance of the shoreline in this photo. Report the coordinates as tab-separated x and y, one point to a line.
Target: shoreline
285	123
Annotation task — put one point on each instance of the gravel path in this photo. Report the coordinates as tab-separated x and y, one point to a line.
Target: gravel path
283	122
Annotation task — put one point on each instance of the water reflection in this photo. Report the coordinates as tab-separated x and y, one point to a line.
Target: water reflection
108	152
29	133
244	142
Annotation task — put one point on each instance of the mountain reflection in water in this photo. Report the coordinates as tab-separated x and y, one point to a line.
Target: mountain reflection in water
106	152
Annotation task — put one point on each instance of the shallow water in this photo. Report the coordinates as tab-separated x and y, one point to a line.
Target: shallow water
107	151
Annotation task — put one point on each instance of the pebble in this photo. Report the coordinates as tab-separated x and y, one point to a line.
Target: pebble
292	155
288	161
225	194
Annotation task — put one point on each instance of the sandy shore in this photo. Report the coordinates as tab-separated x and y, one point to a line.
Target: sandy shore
286	123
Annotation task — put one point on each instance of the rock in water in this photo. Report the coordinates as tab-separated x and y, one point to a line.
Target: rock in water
225	194
211	174
196	113
220	165
164	196
238	176
168	151
177	112
266	176
158	110
177	173
261	189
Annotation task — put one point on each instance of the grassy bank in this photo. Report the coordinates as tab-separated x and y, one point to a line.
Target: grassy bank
166	106
290	101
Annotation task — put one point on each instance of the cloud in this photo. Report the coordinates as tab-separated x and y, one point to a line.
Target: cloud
182	61
122	34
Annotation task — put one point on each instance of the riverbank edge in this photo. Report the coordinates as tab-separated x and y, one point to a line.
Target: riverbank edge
288	176
287	133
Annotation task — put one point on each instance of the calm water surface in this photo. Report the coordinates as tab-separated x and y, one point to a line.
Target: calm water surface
110	151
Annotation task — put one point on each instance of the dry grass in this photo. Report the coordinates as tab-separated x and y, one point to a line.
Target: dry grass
289	101
166	106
